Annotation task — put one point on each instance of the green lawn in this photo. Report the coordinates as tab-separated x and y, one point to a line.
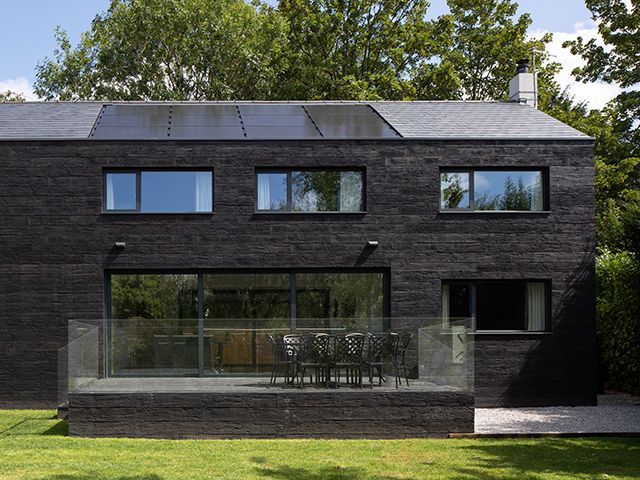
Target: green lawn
34	445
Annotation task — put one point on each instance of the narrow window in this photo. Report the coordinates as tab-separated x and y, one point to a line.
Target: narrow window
120	191
308	191
498	305
155	191
492	190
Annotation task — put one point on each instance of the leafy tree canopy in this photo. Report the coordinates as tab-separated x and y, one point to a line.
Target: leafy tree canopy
616	60
304	49
169	49
10	96
480	42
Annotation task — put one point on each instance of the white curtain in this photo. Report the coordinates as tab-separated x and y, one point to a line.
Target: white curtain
445	305
264	195
111	200
535	307
350	191
537	202
204	187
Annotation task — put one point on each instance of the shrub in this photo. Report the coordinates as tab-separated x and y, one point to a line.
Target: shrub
618	318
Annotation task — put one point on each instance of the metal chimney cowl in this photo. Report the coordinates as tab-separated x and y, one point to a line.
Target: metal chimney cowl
522	87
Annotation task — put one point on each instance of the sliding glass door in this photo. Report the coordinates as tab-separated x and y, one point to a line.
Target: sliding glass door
211	323
240	310
154	324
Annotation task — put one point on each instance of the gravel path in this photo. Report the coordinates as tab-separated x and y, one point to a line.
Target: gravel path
615	413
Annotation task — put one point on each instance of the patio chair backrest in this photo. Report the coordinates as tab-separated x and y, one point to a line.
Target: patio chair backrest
278	350
377	348
399	343
319	348
295	345
349	348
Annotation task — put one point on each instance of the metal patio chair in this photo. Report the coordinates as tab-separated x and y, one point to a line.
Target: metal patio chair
280	359
317	356
377	350
399	345
295	345
349	354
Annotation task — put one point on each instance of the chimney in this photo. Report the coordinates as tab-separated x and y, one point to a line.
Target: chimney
522	87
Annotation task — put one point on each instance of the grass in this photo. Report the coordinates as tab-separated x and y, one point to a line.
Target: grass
34	445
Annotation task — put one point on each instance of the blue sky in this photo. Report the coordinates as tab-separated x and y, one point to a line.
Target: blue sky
26	33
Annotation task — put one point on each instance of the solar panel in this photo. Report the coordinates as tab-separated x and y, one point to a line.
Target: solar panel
205	110
132	121
270	109
130	133
207	133
345	131
206	122
277	121
262	132
349	121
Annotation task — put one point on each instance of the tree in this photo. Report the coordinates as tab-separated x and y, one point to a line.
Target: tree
361	49
616	61
169	50
480	44
453	189
10	96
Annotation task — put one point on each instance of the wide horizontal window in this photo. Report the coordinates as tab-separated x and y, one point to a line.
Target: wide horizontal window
308	191
217	323
492	190
498	305
159	191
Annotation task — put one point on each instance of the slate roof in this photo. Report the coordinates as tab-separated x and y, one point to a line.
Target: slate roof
473	120
412	120
47	120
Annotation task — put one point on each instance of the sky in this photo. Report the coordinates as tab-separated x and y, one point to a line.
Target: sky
27	28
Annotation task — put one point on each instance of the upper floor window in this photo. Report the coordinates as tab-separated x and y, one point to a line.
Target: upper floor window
159	191
513	305
493	190
308	191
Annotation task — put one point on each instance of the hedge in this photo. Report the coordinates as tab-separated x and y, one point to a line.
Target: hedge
618	319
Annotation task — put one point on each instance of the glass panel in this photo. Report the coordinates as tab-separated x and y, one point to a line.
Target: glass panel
459	300
501	306
239	311
176	192
272	191
154	327
454	190
120	191
340	302
326	191
508	190
350	193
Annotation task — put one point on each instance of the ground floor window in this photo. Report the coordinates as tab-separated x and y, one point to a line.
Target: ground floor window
211	323
498	305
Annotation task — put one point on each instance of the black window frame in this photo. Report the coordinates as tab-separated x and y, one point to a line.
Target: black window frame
289	171
546	207
473	299
138	172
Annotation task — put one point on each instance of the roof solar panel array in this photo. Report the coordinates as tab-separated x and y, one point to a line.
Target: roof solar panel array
233	122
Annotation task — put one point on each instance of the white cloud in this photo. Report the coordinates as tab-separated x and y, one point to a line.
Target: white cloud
18	85
595	94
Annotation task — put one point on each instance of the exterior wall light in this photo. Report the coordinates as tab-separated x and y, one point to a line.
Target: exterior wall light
119	245
372	244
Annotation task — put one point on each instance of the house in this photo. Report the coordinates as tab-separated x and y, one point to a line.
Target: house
257	216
